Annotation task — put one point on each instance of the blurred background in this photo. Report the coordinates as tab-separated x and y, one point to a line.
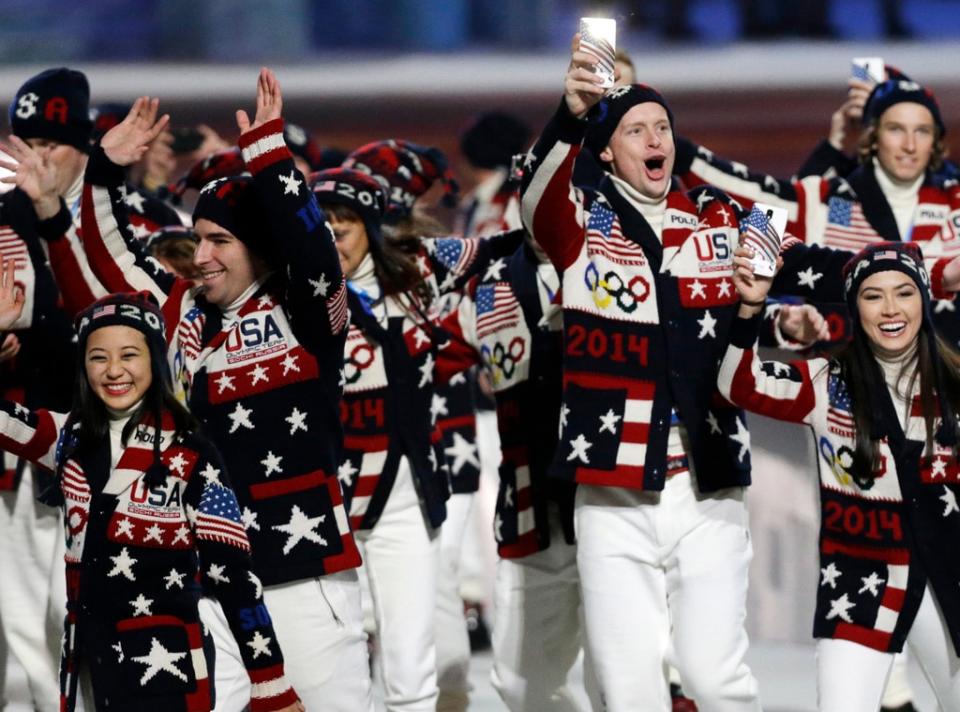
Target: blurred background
754	80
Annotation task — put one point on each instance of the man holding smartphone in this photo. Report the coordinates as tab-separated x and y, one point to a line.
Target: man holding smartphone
664	548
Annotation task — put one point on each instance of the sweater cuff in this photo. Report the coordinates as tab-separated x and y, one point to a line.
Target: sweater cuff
569	128
743	332
269	690
936	279
264	146
102	171
56	227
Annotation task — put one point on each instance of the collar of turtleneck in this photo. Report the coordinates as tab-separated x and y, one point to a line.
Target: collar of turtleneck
902	197
898	371
652	209
230	312
72	198
364	278
118	421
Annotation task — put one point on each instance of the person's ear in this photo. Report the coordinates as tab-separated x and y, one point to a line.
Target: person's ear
606	155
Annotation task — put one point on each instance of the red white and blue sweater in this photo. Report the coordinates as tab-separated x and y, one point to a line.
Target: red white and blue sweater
645	321
267	385
507	322
881	540
138	558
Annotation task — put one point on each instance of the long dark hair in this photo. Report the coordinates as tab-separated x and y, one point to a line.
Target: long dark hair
938	370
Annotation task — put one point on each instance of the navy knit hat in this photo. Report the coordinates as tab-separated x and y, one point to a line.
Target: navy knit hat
232	204
405	171
55	105
138	310
354	189
493	138
605	116
897	91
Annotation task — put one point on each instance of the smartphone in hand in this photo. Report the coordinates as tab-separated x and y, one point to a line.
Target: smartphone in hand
598	36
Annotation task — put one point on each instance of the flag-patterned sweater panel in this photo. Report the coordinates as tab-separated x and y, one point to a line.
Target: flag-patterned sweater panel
502	324
881	539
267	385
138	558
645	321
387	409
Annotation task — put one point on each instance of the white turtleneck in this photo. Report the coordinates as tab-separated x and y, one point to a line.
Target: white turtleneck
118	421
72	198
230	312
898	374
652	209
901	196
364	277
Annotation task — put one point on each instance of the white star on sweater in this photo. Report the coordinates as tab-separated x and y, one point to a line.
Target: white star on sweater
839	608
259	373
290	183
462	451
950	500
941	305
707	325
723	288
497	526
154	533
225	381
250	519
160	659
119	649
697	289
420	338
240	417
742	436
345	473
265	301
178	462
141	606
211	475
564	412
704	198
135	201
508	496
609	421
182	534
290	364
272	463
139	231
125	528
438	407
713	423
216	573
123	564
257	584
300	527
870	583
580	446
808	278
297	420
174	578
830	575
320	286
426	371
938	467
260	644
494	269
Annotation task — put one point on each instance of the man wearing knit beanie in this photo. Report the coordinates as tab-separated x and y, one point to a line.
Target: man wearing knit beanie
488	145
663	544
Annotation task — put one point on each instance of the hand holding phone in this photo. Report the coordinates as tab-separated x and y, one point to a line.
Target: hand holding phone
598	36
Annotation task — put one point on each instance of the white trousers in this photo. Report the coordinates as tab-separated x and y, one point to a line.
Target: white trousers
401	561
657	568
32	590
851	677
537	634
319	626
450	625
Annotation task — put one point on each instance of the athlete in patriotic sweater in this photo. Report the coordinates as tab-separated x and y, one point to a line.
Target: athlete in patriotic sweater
258	355
647	300
889	513
895	194
149	513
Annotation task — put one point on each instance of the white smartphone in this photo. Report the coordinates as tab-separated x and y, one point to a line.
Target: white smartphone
598	36
868	69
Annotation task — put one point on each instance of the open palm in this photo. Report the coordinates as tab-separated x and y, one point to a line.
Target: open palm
126	142
32	171
269	103
11	296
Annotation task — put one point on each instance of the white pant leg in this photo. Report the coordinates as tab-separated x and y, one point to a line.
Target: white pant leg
478	555
452	641
850	676
930	643
401	561
623	585
230	680
33	600
319	626
707	574
536	637
898	692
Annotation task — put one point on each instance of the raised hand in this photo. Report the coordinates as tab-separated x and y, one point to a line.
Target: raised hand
11	296
752	288
803	324
126	142
581	86
269	103
34	173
